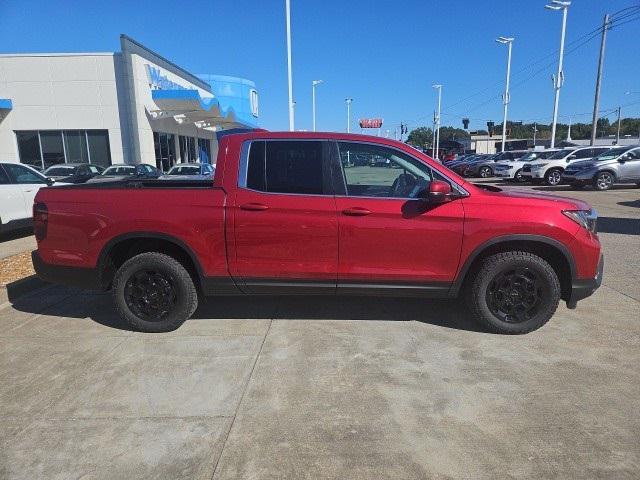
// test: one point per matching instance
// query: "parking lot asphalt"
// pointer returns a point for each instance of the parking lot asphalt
(316, 387)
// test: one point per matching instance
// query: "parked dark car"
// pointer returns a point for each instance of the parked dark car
(73, 172)
(190, 169)
(122, 171)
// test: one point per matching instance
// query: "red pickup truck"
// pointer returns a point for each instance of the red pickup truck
(309, 213)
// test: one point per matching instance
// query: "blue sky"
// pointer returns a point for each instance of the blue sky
(385, 55)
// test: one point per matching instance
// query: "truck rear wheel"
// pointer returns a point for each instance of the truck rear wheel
(154, 292)
(514, 292)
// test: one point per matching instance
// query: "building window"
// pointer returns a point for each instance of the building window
(204, 150)
(165, 149)
(43, 148)
(29, 148)
(76, 146)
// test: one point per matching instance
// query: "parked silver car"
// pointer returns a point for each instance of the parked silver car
(618, 165)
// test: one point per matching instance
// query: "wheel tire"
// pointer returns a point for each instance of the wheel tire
(485, 172)
(479, 294)
(517, 177)
(173, 281)
(603, 181)
(553, 177)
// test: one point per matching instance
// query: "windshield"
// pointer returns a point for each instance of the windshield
(59, 171)
(185, 170)
(120, 170)
(560, 154)
(610, 154)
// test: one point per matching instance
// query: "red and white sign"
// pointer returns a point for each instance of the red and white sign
(371, 122)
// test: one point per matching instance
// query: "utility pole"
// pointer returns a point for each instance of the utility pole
(506, 98)
(558, 79)
(289, 75)
(569, 131)
(619, 120)
(596, 102)
(535, 130)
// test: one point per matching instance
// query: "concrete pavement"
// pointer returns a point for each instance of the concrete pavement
(17, 242)
(307, 388)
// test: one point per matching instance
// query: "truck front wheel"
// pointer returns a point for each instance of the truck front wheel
(153, 292)
(514, 292)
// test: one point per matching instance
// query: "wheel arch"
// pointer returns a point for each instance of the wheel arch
(549, 249)
(121, 248)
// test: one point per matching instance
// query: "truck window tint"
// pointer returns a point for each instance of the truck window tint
(375, 171)
(255, 169)
(294, 167)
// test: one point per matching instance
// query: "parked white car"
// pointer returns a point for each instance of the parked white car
(512, 169)
(550, 170)
(18, 187)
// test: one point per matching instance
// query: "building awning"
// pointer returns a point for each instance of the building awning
(187, 106)
(5, 104)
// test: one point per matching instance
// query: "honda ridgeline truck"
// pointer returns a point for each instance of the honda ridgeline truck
(293, 213)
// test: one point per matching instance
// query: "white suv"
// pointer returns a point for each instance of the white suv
(512, 170)
(18, 187)
(550, 170)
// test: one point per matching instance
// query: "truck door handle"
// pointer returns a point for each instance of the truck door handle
(256, 207)
(356, 211)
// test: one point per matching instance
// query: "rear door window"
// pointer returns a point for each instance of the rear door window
(293, 167)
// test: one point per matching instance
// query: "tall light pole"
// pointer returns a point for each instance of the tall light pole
(348, 102)
(439, 88)
(314, 84)
(558, 79)
(508, 41)
(289, 75)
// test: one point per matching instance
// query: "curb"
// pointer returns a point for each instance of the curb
(14, 290)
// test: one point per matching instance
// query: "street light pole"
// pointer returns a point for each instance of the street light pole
(439, 88)
(558, 79)
(619, 120)
(289, 75)
(348, 101)
(314, 84)
(508, 41)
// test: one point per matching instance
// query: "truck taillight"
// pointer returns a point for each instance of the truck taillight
(40, 220)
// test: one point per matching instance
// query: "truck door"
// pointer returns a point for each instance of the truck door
(285, 221)
(390, 241)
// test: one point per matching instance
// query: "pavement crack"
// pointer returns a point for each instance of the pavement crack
(244, 391)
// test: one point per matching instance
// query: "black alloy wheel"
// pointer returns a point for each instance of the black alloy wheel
(516, 295)
(150, 295)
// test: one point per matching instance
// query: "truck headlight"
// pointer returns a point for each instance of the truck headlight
(585, 218)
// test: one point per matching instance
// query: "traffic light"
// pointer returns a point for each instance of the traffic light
(465, 123)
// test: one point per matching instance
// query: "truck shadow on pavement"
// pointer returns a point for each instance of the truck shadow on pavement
(624, 226)
(98, 307)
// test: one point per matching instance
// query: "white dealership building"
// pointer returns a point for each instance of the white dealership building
(132, 106)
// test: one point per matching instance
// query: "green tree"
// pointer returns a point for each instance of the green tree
(420, 137)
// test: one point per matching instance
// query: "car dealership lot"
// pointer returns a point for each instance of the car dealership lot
(317, 387)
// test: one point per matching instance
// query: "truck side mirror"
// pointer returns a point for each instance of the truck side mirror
(439, 192)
